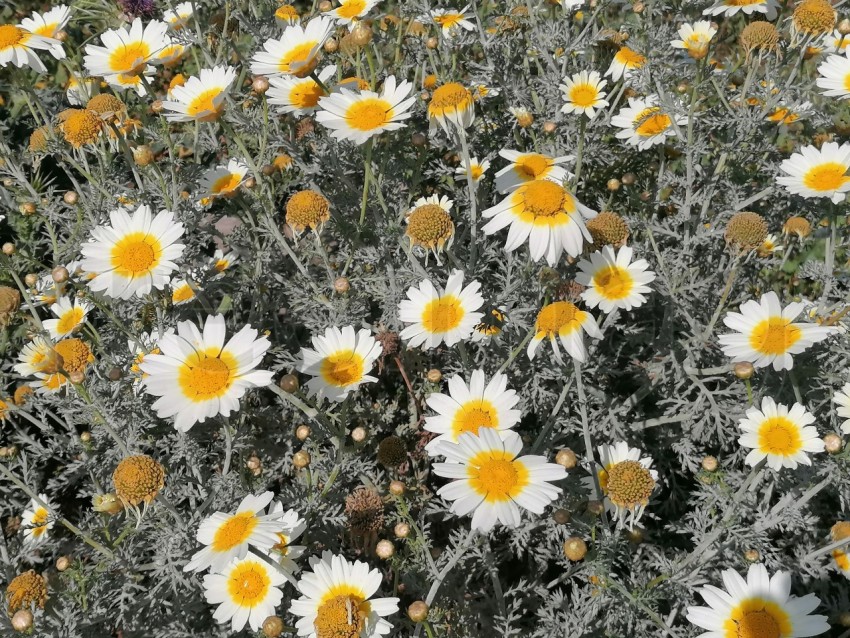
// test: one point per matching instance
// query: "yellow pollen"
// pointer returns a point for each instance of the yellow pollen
(825, 177)
(69, 320)
(779, 435)
(306, 94)
(342, 368)
(10, 36)
(774, 336)
(207, 375)
(443, 314)
(632, 59)
(307, 209)
(226, 183)
(475, 414)
(248, 584)
(297, 55)
(369, 114)
(203, 106)
(136, 255)
(342, 616)
(80, 126)
(39, 520)
(757, 618)
(75, 356)
(351, 8)
(234, 532)
(130, 58)
(613, 282)
(583, 95)
(477, 171)
(496, 476)
(286, 12)
(532, 166)
(651, 122)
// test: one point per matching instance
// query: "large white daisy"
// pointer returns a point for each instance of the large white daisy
(562, 319)
(70, 315)
(133, 255)
(197, 375)
(583, 93)
(728, 8)
(202, 98)
(48, 25)
(126, 54)
(246, 592)
(18, 46)
(296, 52)
(834, 76)
(818, 172)
(779, 434)
(339, 362)
(437, 317)
(613, 280)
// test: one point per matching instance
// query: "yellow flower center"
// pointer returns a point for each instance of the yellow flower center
(221, 265)
(234, 532)
(583, 95)
(651, 122)
(475, 414)
(631, 59)
(561, 317)
(757, 618)
(774, 336)
(369, 113)
(203, 106)
(10, 36)
(741, 3)
(281, 546)
(443, 314)
(430, 226)
(69, 320)
(450, 98)
(497, 477)
(81, 126)
(351, 8)
(342, 368)
(297, 55)
(532, 166)
(226, 183)
(542, 198)
(629, 484)
(613, 282)
(39, 521)
(448, 20)
(306, 94)
(207, 375)
(779, 435)
(136, 255)
(182, 293)
(286, 12)
(828, 176)
(75, 355)
(477, 171)
(248, 584)
(342, 616)
(130, 58)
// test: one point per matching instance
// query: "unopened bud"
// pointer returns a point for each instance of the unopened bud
(289, 383)
(260, 84)
(832, 443)
(575, 548)
(744, 370)
(434, 375)
(396, 488)
(709, 464)
(302, 432)
(418, 611)
(385, 549)
(401, 530)
(71, 197)
(358, 434)
(63, 563)
(301, 459)
(341, 285)
(566, 458)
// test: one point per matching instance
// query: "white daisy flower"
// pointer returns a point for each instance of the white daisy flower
(817, 172)
(229, 536)
(350, 12)
(764, 333)
(625, 61)
(759, 606)
(477, 168)
(728, 8)
(222, 261)
(784, 114)
(182, 291)
(493, 481)
(126, 54)
(179, 18)
(286, 14)
(468, 408)
(296, 52)
(769, 246)
(292, 526)
(143, 345)
(246, 592)
(80, 90)
(70, 316)
(779, 434)
(198, 375)
(202, 98)
(834, 76)
(695, 38)
(357, 116)
(544, 213)
(299, 96)
(451, 107)
(527, 167)
(429, 224)
(337, 598)
(613, 281)
(583, 93)
(37, 522)
(627, 481)
(339, 362)
(36, 356)
(451, 21)
(563, 319)
(842, 398)
(48, 25)
(133, 255)
(836, 41)
(644, 123)
(171, 53)
(18, 46)
(223, 181)
(437, 317)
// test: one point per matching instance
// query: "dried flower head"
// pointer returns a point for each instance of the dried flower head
(799, 226)
(608, 229)
(74, 356)
(80, 127)
(759, 36)
(105, 104)
(38, 140)
(10, 301)
(746, 230)
(26, 590)
(365, 510)
(814, 17)
(429, 224)
(307, 209)
(138, 478)
(392, 451)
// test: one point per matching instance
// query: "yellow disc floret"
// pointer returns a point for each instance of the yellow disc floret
(80, 126)
(138, 478)
(307, 209)
(630, 484)
(430, 226)
(26, 590)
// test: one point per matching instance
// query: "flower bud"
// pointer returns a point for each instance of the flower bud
(396, 488)
(260, 84)
(157, 106)
(432, 43)
(561, 516)
(301, 459)
(434, 375)
(28, 208)
(709, 464)
(752, 556)
(385, 549)
(595, 507)
(833, 443)
(361, 34)
(115, 373)
(566, 458)
(107, 504)
(418, 611)
(63, 563)
(71, 198)
(575, 548)
(359, 434)
(85, 437)
(31, 279)
(9, 249)
(401, 530)
(341, 285)
(143, 155)
(22, 620)
(744, 370)
(289, 383)
(549, 127)
(331, 45)
(613, 184)
(628, 179)
(325, 5)
(60, 274)
(302, 432)
(273, 627)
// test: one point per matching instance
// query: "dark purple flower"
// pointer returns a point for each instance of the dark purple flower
(138, 8)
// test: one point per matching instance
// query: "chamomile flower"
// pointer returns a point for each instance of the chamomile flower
(292, 526)
(817, 172)
(36, 356)
(545, 214)
(469, 408)
(452, 21)
(842, 398)
(202, 98)
(836, 41)
(299, 96)
(222, 261)
(246, 592)
(784, 114)
(527, 167)
(18, 46)
(562, 319)
(133, 255)
(337, 600)
(48, 25)
(625, 61)
(769, 246)
(779, 434)
(179, 18)
(339, 362)
(171, 53)
(491, 480)
(645, 124)
(429, 224)
(36, 521)
(182, 291)
(198, 375)
(296, 52)
(126, 54)
(695, 38)
(350, 12)
(613, 280)
(451, 106)
(478, 169)
(627, 481)
(71, 356)
(834, 76)
(70, 316)
(728, 8)
(436, 317)
(228, 536)
(143, 345)
(583, 93)
(765, 333)
(223, 181)
(80, 90)
(759, 606)
(357, 116)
